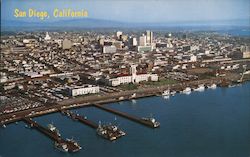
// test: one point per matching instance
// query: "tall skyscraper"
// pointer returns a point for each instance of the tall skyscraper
(134, 42)
(149, 37)
(142, 40)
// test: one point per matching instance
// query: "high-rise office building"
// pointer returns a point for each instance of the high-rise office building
(142, 40)
(149, 37)
(134, 41)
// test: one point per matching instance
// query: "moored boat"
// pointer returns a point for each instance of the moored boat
(200, 88)
(187, 90)
(61, 146)
(152, 122)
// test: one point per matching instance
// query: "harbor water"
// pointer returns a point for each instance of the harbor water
(212, 123)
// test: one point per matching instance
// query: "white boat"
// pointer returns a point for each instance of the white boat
(152, 122)
(4, 126)
(213, 86)
(187, 90)
(200, 88)
(52, 128)
(166, 93)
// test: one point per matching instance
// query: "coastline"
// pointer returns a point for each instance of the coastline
(114, 97)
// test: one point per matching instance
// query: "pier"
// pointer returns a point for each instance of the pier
(110, 132)
(79, 118)
(71, 146)
(125, 115)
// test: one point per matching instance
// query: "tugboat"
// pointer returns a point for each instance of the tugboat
(62, 147)
(152, 122)
(110, 132)
(52, 128)
(74, 143)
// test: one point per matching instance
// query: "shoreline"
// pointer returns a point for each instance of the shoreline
(106, 99)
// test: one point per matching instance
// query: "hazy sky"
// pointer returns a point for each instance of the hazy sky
(139, 10)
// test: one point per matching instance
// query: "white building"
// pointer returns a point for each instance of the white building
(118, 34)
(142, 40)
(83, 90)
(109, 49)
(3, 77)
(134, 42)
(245, 52)
(133, 78)
(47, 37)
(193, 58)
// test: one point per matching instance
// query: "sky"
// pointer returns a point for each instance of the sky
(138, 11)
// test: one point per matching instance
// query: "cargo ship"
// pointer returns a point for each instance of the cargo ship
(110, 132)
(68, 146)
(152, 122)
(52, 128)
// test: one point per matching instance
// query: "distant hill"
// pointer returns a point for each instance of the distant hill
(98, 23)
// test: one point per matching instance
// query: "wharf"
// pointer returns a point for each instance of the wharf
(79, 118)
(70, 145)
(110, 132)
(125, 115)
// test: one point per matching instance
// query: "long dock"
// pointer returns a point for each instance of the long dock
(110, 132)
(79, 118)
(71, 146)
(125, 115)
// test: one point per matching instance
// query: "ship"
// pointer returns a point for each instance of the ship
(152, 122)
(74, 143)
(52, 128)
(61, 146)
(110, 132)
(213, 86)
(200, 88)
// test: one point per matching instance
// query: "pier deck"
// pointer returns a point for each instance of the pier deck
(79, 118)
(124, 115)
(51, 135)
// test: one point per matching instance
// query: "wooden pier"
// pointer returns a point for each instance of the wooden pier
(79, 118)
(70, 145)
(125, 115)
